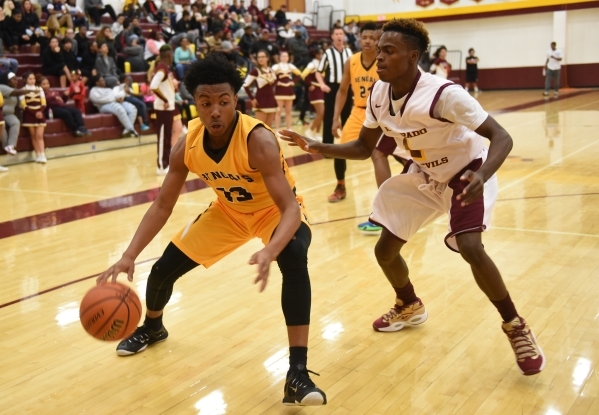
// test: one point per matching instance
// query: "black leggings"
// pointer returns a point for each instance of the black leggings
(71, 117)
(293, 262)
(327, 124)
(96, 14)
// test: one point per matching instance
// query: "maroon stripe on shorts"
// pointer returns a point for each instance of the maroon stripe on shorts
(471, 216)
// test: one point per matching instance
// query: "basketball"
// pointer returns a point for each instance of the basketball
(110, 311)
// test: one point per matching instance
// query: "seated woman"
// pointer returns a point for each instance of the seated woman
(53, 63)
(112, 101)
(55, 101)
(87, 66)
(106, 67)
(34, 105)
(16, 33)
(183, 57)
(137, 100)
(153, 45)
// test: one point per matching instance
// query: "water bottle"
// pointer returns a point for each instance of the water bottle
(50, 114)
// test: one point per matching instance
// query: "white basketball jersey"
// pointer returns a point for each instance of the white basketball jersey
(441, 148)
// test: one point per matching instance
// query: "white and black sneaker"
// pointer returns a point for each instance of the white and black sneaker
(141, 338)
(300, 390)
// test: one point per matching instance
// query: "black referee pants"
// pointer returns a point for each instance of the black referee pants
(327, 125)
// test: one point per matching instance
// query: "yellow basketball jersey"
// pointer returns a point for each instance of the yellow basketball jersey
(361, 79)
(236, 184)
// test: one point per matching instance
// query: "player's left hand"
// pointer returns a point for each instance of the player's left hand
(263, 259)
(474, 190)
(296, 140)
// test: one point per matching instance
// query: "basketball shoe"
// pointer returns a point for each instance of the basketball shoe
(339, 194)
(529, 356)
(139, 341)
(300, 390)
(401, 315)
(369, 228)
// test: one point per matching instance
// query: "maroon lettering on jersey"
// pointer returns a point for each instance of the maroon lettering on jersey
(424, 3)
(449, 2)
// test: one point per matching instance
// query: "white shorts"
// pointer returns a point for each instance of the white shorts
(407, 202)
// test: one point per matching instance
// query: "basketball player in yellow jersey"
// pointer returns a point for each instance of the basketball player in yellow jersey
(359, 73)
(240, 158)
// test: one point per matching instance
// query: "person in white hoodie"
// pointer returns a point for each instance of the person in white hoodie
(112, 101)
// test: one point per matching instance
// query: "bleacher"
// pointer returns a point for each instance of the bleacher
(101, 126)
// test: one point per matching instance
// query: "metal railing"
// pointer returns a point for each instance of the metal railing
(323, 18)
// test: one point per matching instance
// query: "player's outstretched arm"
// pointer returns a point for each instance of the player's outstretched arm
(155, 217)
(340, 99)
(501, 145)
(359, 149)
(263, 154)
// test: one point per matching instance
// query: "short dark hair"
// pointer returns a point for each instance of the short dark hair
(67, 40)
(368, 26)
(214, 69)
(16, 11)
(337, 28)
(165, 48)
(185, 13)
(412, 31)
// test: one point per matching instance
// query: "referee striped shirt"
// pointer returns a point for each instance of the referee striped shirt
(332, 64)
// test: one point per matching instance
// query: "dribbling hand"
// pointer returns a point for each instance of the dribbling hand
(125, 264)
(474, 190)
(296, 140)
(263, 259)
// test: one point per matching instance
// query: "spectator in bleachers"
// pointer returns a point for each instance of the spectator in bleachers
(77, 90)
(33, 105)
(31, 19)
(44, 6)
(69, 57)
(215, 41)
(87, 66)
(184, 99)
(299, 49)
(106, 67)
(234, 8)
(440, 66)
(8, 85)
(264, 43)
(269, 20)
(184, 56)
(281, 15)
(70, 34)
(117, 26)
(134, 54)
(137, 100)
(186, 7)
(168, 9)
(15, 33)
(153, 45)
(58, 15)
(77, 13)
(111, 101)
(298, 26)
(106, 37)
(96, 9)
(53, 63)
(166, 29)
(8, 8)
(136, 30)
(82, 40)
(246, 42)
(8, 64)
(188, 27)
(284, 33)
(153, 13)
(253, 9)
(55, 101)
(132, 9)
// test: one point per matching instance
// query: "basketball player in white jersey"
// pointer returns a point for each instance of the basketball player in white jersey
(451, 170)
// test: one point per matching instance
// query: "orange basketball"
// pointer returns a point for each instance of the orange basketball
(110, 311)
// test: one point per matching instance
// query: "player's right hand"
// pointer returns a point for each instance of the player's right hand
(125, 264)
(336, 128)
(296, 140)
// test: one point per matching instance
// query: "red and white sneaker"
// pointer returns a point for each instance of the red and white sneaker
(529, 356)
(401, 315)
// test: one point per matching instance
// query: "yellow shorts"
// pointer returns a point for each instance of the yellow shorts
(220, 230)
(353, 125)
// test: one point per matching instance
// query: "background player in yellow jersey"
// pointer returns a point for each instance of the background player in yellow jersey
(359, 73)
(240, 158)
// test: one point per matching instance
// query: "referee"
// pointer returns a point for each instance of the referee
(331, 65)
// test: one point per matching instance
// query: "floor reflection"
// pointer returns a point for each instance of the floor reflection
(212, 404)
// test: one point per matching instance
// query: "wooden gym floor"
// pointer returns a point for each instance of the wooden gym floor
(63, 223)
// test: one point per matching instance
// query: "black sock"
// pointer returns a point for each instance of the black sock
(154, 324)
(298, 354)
